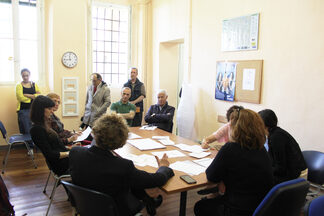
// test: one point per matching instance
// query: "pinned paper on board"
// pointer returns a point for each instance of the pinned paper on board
(248, 79)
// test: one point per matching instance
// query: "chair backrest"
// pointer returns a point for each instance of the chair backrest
(286, 198)
(315, 165)
(315, 207)
(3, 130)
(89, 202)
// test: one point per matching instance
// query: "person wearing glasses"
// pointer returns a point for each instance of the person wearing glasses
(97, 101)
(66, 136)
(244, 167)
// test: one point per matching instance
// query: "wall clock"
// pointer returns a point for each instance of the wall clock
(69, 59)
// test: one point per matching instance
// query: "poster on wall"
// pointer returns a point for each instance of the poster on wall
(225, 81)
(240, 33)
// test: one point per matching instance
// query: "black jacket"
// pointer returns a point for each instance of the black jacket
(287, 158)
(100, 170)
(136, 92)
(163, 118)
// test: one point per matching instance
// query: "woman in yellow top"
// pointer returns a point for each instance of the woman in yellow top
(26, 91)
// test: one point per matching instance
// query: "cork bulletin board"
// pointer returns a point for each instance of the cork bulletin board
(248, 81)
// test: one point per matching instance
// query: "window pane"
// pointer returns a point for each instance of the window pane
(112, 41)
(5, 20)
(29, 57)
(27, 22)
(6, 61)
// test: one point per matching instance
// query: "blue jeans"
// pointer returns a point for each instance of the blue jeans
(24, 123)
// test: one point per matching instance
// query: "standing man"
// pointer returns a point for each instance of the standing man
(161, 114)
(98, 100)
(123, 107)
(137, 96)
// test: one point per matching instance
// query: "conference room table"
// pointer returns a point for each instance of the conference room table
(175, 184)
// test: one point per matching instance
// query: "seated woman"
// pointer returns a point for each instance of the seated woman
(99, 168)
(66, 136)
(244, 167)
(287, 158)
(223, 133)
(45, 138)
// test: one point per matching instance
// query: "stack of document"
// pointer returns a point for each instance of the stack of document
(165, 140)
(145, 144)
(84, 135)
(199, 154)
(188, 167)
(205, 162)
(133, 136)
(190, 148)
(139, 160)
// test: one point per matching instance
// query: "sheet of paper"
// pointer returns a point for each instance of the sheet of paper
(166, 142)
(84, 135)
(161, 137)
(170, 154)
(147, 127)
(138, 160)
(190, 148)
(199, 154)
(145, 144)
(205, 162)
(133, 136)
(188, 167)
(248, 79)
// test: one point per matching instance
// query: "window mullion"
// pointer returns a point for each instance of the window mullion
(16, 45)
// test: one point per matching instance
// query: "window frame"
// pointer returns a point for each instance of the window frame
(16, 44)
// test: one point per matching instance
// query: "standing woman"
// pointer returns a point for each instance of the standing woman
(26, 92)
(45, 138)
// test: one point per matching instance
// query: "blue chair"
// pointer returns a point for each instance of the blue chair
(17, 138)
(315, 207)
(286, 198)
(89, 202)
(315, 165)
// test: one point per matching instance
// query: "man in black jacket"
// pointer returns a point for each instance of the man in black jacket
(137, 96)
(287, 158)
(99, 168)
(161, 114)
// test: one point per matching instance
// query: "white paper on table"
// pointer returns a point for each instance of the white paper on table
(133, 136)
(248, 79)
(170, 154)
(199, 154)
(147, 127)
(190, 148)
(139, 160)
(205, 162)
(167, 142)
(161, 137)
(84, 135)
(145, 144)
(188, 167)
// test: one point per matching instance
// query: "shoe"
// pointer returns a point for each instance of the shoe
(152, 203)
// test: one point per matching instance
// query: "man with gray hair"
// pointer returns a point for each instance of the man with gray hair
(123, 107)
(161, 114)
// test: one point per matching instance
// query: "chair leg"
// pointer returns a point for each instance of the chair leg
(44, 191)
(5, 160)
(31, 154)
(52, 195)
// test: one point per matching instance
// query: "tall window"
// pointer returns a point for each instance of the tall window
(110, 42)
(19, 39)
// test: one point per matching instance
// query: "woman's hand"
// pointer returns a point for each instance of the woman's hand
(204, 144)
(74, 137)
(163, 161)
(31, 96)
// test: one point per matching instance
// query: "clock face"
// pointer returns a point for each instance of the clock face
(69, 59)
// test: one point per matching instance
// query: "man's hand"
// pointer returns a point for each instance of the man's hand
(163, 161)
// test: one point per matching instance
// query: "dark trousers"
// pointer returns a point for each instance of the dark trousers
(24, 123)
(137, 121)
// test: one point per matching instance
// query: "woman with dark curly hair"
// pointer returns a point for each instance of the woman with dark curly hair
(45, 138)
(244, 167)
(100, 169)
